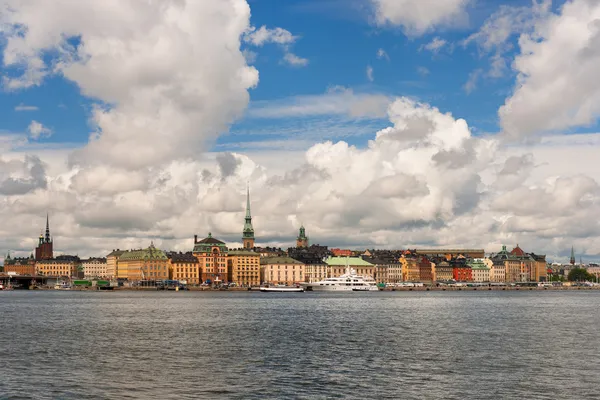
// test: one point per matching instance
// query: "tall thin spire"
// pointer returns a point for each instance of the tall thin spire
(248, 232)
(47, 238)
(572, 260)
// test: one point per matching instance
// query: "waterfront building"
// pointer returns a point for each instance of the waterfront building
(410, 268)
(244, 267)
(94, 268)
(386, 270)
(479, 270)
(538, 270)
(443, 271)
(302, 239)
(338, 266)
(426, 273)
(281, 271)
(67, 267)
(19, 265)
(184, 267)
(212, 257)
(44, 249)
(316, 272)
(112, 265)
(521, 266)
(248, 231)
(145, 264)
(498, 272)
(461, 271)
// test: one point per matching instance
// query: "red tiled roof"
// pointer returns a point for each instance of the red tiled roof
(517, 251)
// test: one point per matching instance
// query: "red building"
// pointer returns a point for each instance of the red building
(44, 250)
(462, 273)
(425, 270)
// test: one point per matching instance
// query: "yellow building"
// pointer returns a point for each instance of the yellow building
(244, 268)
(184, 267)
(443, 271)
(410, 269)
(145, 264)
(112, 264)
(56, 267)
(316, 272)
(281, 271)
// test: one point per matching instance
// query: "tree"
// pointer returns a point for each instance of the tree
(579, 275)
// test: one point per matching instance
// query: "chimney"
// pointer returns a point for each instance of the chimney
(195, 239)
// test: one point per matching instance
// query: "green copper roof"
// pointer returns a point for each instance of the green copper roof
(351, 261)
(151, 253)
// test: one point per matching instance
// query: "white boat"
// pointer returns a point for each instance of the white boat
(348, 282)
(281, 288)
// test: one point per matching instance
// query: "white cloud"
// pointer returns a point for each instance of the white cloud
(417, 17)
(471, 83)
(494, 37)
(369, 72)
(259, 37)
(336, 101)
(423, 71)
(36, 130)
(381, 53)
(133, 72)
(435, 45)
(23, 107)
(294, 60)
(557, 67)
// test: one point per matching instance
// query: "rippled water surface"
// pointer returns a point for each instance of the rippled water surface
(167, 345)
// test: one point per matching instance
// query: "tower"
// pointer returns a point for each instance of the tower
(302, 239)
(44, 250)
(248, 232)
(572, 260)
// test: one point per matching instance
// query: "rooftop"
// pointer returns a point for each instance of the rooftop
(278, 260)
(350, 261)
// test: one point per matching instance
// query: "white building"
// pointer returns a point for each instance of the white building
(94, 268)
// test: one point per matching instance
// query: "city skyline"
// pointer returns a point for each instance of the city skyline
(370, 125)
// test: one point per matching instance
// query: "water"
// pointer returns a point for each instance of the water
(409, 345)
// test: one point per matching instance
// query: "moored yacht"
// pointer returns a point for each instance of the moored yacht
(348, 282)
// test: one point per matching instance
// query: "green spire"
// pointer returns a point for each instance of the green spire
(248, 232)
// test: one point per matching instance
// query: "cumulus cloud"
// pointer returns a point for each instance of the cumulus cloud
(36, 130)
(21, 177)
(556, 85)
(417, 17)
(259, 37)
(143, 101)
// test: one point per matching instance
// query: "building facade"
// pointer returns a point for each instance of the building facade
(443, 271)
(212, 257)
(410, 268)
(185, 268)
(244, 268)
(57, 267)
(19, 265)
(94, 268)
(150, 264)
(281, 271)
(316, 272)
(112, 264)
(479, 270)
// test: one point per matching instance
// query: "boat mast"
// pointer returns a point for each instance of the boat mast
(347, 266)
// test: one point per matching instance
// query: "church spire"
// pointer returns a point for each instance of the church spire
(248, 232)
(47, 238)
(572, 260)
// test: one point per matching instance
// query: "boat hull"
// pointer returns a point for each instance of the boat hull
(281, 289)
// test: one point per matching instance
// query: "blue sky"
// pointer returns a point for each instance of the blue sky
(340, 41)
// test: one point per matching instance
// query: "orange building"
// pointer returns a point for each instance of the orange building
(19, 266)
(244, 268)
(212, 257)
(144, 264)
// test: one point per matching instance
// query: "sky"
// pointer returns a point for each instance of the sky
(374, 123)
